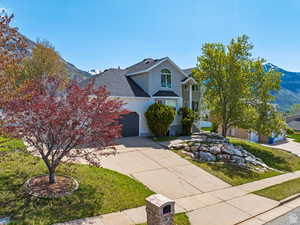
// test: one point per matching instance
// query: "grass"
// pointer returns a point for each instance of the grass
(206, 128)
(179, 219)
(101, 190)
(275, 158)
(234, 175)
(295, 137)
(281, 191)
(230, 173)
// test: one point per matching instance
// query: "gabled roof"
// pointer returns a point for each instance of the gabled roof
(165, 94)
(117, 83)
(144, 65)
(148, 64)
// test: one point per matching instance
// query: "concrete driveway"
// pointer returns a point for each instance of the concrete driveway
(161, 170)
(290, 145)
(205, 198)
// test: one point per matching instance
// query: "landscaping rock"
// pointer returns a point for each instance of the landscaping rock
(211, 147)
(204, 156)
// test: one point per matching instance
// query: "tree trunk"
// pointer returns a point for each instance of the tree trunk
(52, 176)
(224, 130)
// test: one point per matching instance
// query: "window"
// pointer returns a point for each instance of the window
(195, 106)
(171, 102)
(195, 87)
(166, 78)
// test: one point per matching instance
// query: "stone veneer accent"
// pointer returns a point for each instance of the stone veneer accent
(160, 210)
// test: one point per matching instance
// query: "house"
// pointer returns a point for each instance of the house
(147, 82)
(253, 136)
(294, 121)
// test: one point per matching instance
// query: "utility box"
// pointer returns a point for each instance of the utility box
(160, 210)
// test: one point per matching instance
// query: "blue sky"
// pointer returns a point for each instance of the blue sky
(110, 33)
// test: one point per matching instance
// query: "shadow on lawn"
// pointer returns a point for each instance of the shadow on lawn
(26, 209)
(233, 171)
(269, 158)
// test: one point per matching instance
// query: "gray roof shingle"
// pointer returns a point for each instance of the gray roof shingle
(143, 65)
(117, 83)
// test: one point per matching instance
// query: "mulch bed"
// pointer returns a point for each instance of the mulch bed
(39, 186)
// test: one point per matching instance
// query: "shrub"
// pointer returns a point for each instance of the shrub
(214, 127)
(188, 118)
(159, 117)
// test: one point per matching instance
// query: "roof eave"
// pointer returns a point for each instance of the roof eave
(189, 79)
(157, 64)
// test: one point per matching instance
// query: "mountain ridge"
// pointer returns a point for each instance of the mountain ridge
(73, 72)
(289, 93)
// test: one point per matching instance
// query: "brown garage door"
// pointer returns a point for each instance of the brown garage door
(130, 124)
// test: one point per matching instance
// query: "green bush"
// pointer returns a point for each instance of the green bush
(290, 130)
(188, 118)
(214, 127)
(159, 117)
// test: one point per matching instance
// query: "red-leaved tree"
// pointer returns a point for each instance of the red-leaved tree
(13, 49)
(69, 123)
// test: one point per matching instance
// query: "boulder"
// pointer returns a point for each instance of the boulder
(194, 148)
(223, 157)
(205, 156)
(238, 160)
(215, 149)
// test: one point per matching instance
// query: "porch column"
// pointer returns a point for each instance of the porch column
(190, 96)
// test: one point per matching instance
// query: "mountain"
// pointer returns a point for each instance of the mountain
(289, 93)
(73, 72)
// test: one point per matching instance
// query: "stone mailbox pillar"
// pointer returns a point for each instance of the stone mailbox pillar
(160, 210)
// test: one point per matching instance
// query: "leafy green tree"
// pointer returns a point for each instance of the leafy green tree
(159, 118)
(224, 71)
(238, 89)
(267, 119)
(44, 62)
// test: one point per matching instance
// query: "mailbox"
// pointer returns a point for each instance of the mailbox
(160, 210)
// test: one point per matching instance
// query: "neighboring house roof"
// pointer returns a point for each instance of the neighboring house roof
(189, 71)
(117, 83)
(294, 121)
(165, 94)
(295, 124)
(293, 117)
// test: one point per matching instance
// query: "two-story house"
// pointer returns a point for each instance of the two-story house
(147, 82)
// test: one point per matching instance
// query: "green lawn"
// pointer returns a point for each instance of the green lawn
(295, 137)
(281, 191)
(229, 173)
(234, 175)
(206, 128)
(101, 190)
(179, 219)
(275, 158)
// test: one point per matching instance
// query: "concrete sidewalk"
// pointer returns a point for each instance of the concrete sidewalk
(290, 146)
